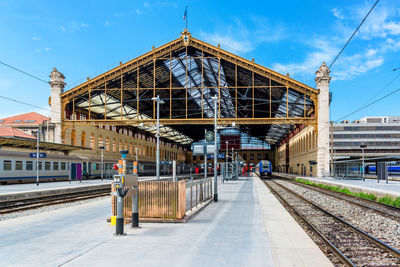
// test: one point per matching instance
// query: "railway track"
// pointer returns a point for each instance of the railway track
(38, 202)
(352, 245)
(383, 209)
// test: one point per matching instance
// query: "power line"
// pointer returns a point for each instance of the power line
(24, 72)
(351, 37)
(370, 104)
(24, 103)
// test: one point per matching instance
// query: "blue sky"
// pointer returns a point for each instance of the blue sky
(87, 38)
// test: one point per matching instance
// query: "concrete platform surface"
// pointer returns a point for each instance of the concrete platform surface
(247, 227)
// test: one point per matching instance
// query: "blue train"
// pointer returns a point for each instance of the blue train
(264, 168)
(392, 170)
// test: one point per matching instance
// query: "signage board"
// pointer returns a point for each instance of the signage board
(210, 149)
(41, 155)
(198, 150)
(220, 156)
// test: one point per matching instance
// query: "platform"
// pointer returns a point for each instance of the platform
(380, 189)
(247, 227)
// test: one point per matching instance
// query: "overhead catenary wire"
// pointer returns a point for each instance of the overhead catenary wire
(24, 72)
(354, 33)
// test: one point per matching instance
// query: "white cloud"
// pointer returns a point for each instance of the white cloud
(37, 50)
(47, 49)
(244, 38)
(241, 46)
(378, 37)
(138, 11)
(106, 24)
(145, 4)
(84, 25)
(63, 29)
(36, 38)
(337, 13)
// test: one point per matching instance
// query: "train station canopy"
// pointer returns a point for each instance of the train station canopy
(186, 73)
(31, 144)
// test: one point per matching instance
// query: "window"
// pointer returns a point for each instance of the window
(258, 156)
(55, 166)
(40, 166)
(18, 165)
(47, 166)
(251, 156)
(7, 165)
(29, 165)
(63, 166)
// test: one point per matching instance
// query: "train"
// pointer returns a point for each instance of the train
(392, 170)
(17, 167)
(264, 168)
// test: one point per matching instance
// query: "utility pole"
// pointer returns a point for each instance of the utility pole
(159, 101)
(215, 99)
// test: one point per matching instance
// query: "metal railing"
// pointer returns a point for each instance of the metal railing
(197, 192)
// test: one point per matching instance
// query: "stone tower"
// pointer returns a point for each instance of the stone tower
(57, 85)
(322, 80)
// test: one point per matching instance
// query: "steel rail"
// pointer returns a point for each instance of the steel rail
(338, 253)
(377, 242)
(37, 202)
(354, 199)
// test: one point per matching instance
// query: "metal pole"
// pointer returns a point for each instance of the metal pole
(215, 99)
(174, 177)
(363, 174)
(332, 169)
(159, 101)
(158, 139)
(135, 209)
(226, 161)
(102, 163)
(205, 156)
(37, 157)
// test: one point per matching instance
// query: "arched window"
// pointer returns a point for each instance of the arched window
(73, 137)
(83, 139)
(100, 142)
(108, 144)
(130, 149)
(92, 141)
(114, 146)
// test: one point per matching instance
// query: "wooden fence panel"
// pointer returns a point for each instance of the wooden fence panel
(157, 199)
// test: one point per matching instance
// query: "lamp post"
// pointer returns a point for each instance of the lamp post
(102, 161)
(363, 163)
(159, 101)
(215, 99)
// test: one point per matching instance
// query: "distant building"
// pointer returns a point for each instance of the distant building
(28, 124)
(381, 135)
(10, 132)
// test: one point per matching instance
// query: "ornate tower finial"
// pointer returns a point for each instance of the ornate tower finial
(57, 79)
(322, 73)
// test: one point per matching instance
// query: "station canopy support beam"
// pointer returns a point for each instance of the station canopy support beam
(186, 73)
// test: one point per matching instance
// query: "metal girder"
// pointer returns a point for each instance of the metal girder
(221, 121)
